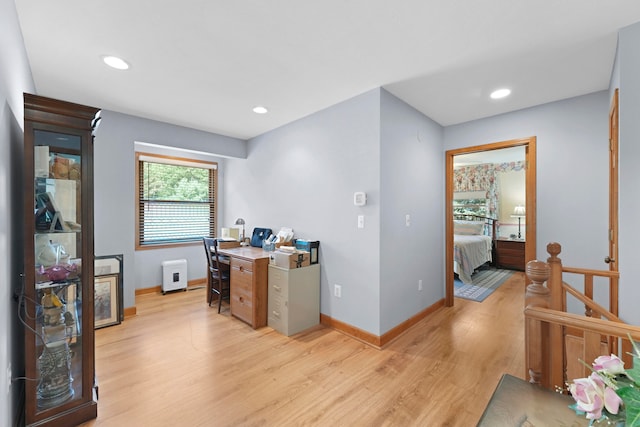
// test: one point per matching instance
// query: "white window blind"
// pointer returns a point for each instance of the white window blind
(176, 200)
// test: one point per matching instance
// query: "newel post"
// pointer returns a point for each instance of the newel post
(556, 335)
(536, 334)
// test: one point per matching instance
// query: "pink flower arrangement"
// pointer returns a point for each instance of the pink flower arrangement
(592, 395)
(610, 392)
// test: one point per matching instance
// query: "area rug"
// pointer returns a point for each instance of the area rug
(485, 281)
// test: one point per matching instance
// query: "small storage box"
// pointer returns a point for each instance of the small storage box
(289, 260)
(174, 275)
(310, 246)
(226, 244)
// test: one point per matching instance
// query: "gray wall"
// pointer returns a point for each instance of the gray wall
(15, 78)
(115, 193)
(628, 63)
(614, 82)
(303, 175)
(412, 183)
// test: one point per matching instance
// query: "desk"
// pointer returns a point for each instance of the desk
(249, 269)
(516, 402)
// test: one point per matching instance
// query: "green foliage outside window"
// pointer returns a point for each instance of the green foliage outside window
(175, 201)
(178, 183)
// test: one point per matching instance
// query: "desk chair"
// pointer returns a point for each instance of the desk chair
(220, 279)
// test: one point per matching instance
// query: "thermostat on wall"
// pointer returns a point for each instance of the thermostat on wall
(359, 198)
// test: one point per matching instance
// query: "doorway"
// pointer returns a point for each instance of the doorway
(529, 145)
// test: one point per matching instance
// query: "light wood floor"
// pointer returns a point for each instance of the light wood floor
(180, 363)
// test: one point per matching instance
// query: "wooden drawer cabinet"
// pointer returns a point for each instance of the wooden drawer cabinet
(241, 298)
(249, 290)
(510, 254)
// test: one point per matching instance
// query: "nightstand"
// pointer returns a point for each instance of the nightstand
(510, 254)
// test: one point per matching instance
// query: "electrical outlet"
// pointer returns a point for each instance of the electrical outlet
(337, 291)
(407, 220)
(360, 221)
(420, 284)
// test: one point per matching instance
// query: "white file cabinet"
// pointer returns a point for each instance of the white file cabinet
(294, 298)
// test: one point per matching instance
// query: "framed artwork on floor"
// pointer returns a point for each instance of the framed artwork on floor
(106, 301)
(108, 298)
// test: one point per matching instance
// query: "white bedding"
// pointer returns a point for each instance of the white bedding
(469, 253)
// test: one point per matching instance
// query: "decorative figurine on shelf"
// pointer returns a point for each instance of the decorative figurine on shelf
(53, 260)
(58, 273)
(46, 252)
(54, 364)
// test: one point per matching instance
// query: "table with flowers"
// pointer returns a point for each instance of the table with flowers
(516, 402)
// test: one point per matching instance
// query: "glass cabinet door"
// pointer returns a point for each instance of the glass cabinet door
(58, 289)
(58, 284)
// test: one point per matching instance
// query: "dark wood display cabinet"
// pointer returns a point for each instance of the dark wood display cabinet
(510, 254)
(57, 297)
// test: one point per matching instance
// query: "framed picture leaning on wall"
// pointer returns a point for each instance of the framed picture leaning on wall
(108, 299)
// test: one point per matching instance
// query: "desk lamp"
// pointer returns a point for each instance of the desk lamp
(519, 212)
(240, 221)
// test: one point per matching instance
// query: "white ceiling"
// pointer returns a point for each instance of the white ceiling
(205, 63)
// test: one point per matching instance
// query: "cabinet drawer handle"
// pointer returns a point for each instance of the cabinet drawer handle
(241, 299)
(275, 313)
(277, 288)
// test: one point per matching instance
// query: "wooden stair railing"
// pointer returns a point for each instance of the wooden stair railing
(592, 327)
(546, 319)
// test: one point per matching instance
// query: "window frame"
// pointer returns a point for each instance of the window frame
(180, 161)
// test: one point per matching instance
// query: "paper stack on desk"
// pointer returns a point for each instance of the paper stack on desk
(229, 234)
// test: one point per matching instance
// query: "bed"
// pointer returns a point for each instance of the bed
(472, 244)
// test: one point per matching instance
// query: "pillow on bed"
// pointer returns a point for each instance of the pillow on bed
(468, 227)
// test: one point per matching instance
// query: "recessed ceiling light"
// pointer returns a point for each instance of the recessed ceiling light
(260, 109)
(500, 93)
(115, 62)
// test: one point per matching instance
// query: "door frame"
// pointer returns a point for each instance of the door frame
(530, 193)
(613, 195)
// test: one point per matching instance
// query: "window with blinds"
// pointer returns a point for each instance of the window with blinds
(176, 200)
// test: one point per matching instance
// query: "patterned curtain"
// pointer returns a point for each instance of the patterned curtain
(483, 178)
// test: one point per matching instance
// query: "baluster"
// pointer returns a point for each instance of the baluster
(588, 292)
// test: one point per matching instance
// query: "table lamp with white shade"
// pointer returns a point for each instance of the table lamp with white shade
(519, 212)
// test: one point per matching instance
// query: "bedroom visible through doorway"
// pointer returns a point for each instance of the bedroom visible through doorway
(490, 209)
